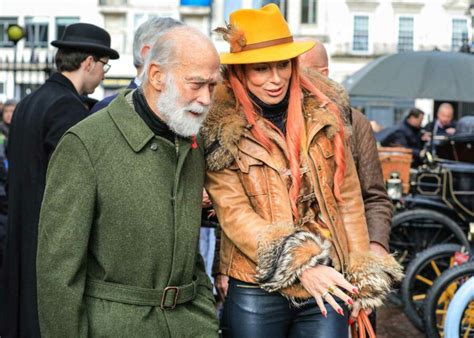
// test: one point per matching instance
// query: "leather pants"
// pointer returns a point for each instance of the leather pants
(250, 312)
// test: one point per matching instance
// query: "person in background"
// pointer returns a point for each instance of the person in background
(283, 184)
(316, 59)
(40, 120)
(7, 114)
(120, 219)
(376, 127)
(8, 109)
(408, 135)
(144, 38)
(444, 124)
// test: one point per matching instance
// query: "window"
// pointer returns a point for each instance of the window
(405, 34)
(360, 41)
(36, 30)
(4, 23)
(231, 6)
(62, 22)
(279, 3)
(309, 11)
(459, 33)
(116, 25)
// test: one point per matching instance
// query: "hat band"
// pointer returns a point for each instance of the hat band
(268, 43)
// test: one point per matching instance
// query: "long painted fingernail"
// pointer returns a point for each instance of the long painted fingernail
(355, 290)
(325, 314)
(350, 301)
(351, 321)
(340, 311)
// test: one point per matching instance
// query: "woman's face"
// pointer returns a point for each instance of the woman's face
(268, 81)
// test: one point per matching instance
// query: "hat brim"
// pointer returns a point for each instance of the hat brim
(87, 47)
(284, 51)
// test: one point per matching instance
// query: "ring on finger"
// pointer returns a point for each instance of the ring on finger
(325, 294)
(331, 288)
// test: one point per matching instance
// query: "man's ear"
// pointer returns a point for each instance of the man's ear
(88, 63)
(144, 52)
(156, 76)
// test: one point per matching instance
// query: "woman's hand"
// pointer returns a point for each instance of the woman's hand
(324, 282)
(222, 285)
(355, 312)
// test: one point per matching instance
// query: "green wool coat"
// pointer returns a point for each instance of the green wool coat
(122, 206)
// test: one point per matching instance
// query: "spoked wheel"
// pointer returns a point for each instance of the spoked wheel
(467, 321)
(420, 276)
(415, 230)
(439, 296)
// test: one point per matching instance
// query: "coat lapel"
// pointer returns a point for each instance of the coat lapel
(131, 125)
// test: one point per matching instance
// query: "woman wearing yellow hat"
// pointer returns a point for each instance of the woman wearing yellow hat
(282, 179)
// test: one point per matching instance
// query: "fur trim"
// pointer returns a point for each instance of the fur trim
(282, 261)
(339, 95)
(222, 130)
(225, 125)
(374, 276)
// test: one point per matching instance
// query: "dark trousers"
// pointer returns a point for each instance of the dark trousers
(251, 312)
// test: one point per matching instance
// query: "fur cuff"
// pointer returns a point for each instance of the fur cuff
(281, 261)
(374, 276)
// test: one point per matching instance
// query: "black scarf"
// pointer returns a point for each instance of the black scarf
(275, 113)
(157, 125)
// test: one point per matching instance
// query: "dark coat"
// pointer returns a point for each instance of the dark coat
(39, 121)
(106, 100)
(377, 204)
(119, 223)
(406, 136)
(436, 129)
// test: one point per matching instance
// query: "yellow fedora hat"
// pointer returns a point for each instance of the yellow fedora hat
(260, 35)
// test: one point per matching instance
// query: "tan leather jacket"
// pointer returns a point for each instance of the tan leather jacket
(261, 242)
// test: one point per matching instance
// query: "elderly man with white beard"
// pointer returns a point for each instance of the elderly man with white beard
(118, 235)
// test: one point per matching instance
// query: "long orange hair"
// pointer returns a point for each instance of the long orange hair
(296, 138)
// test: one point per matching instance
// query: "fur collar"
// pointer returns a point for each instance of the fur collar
(226, 125)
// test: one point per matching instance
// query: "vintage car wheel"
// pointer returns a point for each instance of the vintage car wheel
(415, 230)
(439, 296)
(420, 276)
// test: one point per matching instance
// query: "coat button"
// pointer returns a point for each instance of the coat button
(154, 146)
(319, 167)
(327, 153)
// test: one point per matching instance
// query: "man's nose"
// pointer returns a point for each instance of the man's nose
(205, 96)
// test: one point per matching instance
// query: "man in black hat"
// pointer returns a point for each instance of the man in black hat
(40, 120)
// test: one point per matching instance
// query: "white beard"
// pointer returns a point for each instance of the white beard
(177, 115)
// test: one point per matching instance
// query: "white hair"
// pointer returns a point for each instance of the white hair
(148, 33)
(163, 52)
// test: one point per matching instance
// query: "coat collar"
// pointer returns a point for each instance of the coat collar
(133, 128)
(63, 81)
(226, 125)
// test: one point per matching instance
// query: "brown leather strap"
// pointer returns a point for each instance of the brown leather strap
(268, 43)
(362, 326)
(367, 324)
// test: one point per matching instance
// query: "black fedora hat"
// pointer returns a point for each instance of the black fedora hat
(88, 38)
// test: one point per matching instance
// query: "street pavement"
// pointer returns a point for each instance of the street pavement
(393, 323)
